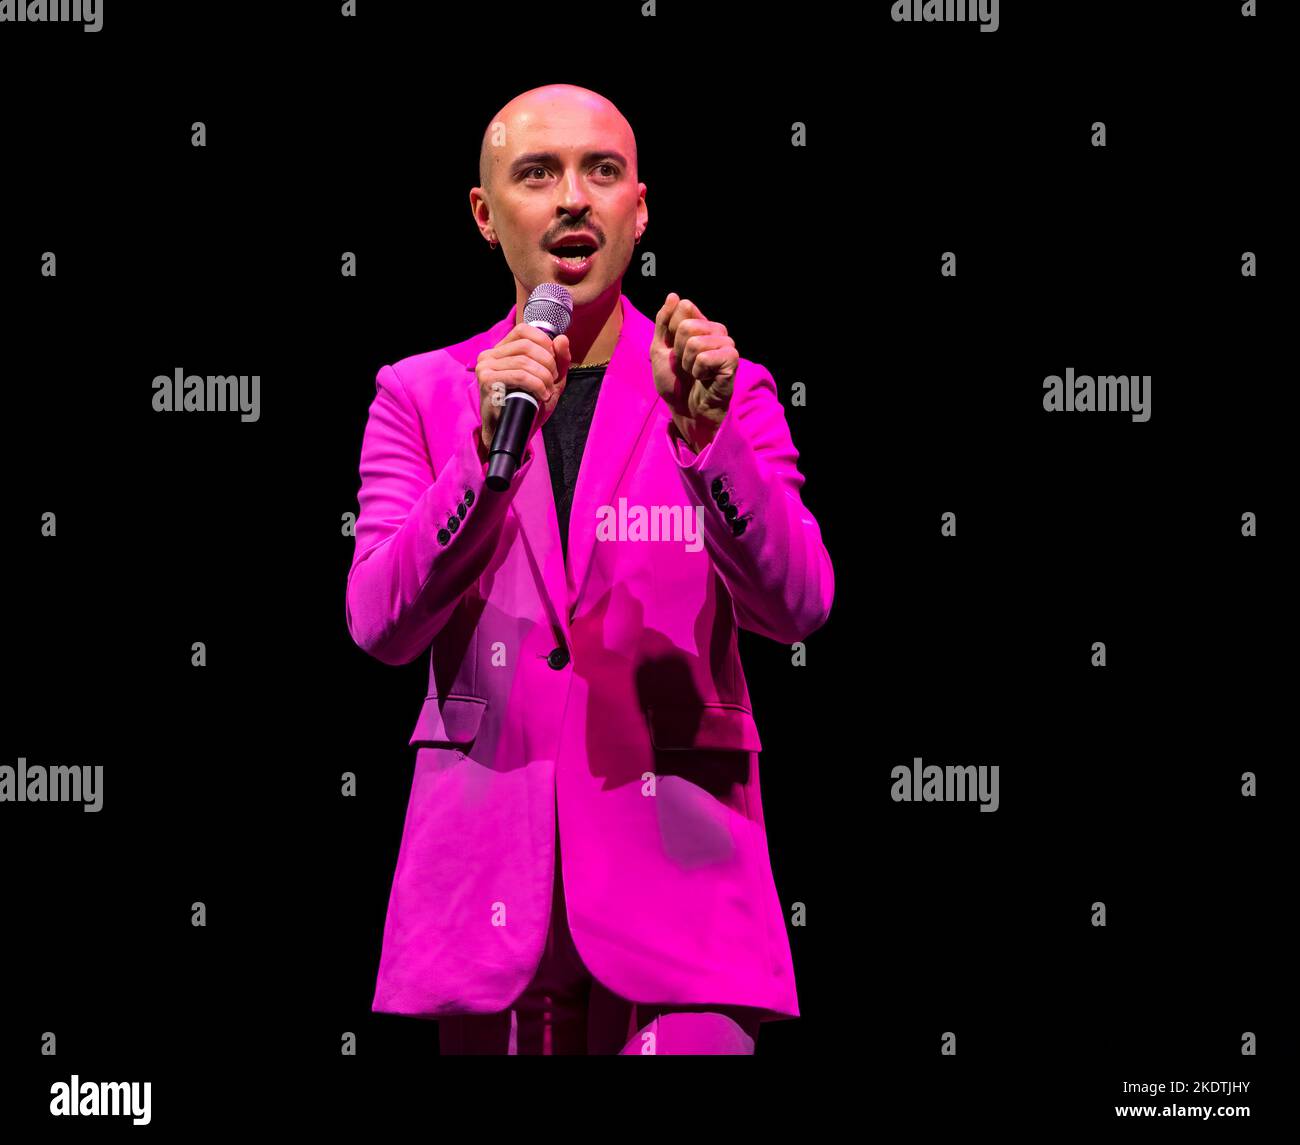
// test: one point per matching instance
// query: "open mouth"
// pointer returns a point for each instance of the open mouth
(575, 254)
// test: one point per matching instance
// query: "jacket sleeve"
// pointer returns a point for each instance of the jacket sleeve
(764, 543)
(422, 538)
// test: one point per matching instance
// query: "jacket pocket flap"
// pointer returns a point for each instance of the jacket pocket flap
(449, 719)
(720, 727)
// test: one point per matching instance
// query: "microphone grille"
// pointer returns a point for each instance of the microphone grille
(550, 305)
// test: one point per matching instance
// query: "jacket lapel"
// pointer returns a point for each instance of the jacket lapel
(627, 397)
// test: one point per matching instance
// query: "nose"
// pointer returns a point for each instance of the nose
(573, 198)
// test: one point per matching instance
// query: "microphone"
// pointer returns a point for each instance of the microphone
(549, 308)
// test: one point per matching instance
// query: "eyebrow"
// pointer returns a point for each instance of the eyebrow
(535, 157)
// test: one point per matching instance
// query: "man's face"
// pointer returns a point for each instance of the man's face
(565, 170)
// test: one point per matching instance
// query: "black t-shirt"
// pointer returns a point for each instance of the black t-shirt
(565, 433)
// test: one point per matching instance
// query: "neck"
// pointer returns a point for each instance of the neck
(593, 328)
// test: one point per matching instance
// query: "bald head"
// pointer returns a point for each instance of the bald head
(535, 109)
(558, 162)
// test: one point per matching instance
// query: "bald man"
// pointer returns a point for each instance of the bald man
(584, 679)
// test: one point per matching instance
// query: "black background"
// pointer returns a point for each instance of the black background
(924, 395)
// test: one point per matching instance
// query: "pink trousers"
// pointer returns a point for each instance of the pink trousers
(564, 1010)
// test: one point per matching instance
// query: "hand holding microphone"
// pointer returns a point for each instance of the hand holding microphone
(520, 381)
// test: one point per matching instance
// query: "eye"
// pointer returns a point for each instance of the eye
(610, 167)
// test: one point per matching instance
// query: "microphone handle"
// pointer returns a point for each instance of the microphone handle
(510, 438)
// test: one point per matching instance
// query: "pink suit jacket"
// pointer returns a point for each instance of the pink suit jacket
(609, 692)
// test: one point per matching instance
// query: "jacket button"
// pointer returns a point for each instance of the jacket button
(738, 527)
(443, 536)
(716, 486)
(469, 496)
(558, 657)
(461, 510)
(730, 512)
(453, 522)
(722, 499)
